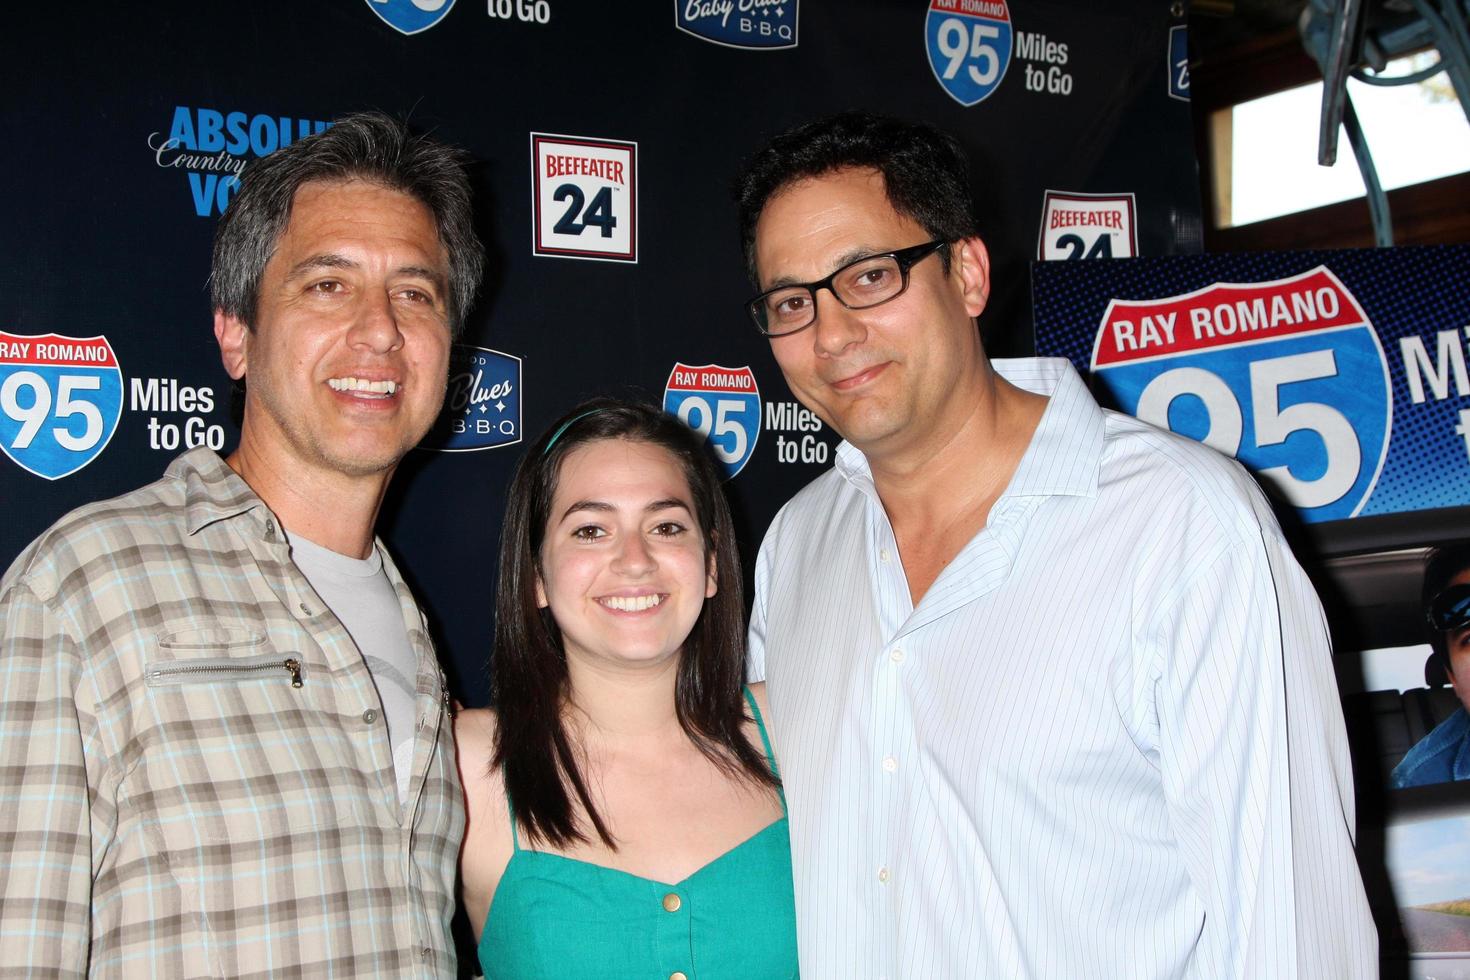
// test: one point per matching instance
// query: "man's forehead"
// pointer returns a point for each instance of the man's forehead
(837, 215)
(863, 185)
(355, 208)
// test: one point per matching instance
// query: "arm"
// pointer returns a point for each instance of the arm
(46, 847)
(487, 841)
(1256, 772)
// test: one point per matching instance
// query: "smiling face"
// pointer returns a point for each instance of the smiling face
(623, 565)
(886, 376)
(347, 360)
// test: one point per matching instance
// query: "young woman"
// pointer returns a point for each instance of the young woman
(625, 817)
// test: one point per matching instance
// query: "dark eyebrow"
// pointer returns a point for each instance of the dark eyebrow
(326, 260)
(332, 260)
(423, 272)
(668, 503)
(846, 258)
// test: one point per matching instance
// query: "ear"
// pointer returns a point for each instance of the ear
(969, 263)
(233, 338)
(541, 602)
(711, 576)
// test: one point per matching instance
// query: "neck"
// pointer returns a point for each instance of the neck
(621, 705)
(334, 510)
(967, 459)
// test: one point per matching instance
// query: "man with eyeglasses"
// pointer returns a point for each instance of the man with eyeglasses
(1444, 754)
(1050, 694)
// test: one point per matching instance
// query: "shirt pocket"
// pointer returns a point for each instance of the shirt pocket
(216, 655)
(227, 740)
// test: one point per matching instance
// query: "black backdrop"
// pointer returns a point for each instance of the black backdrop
(106, 226)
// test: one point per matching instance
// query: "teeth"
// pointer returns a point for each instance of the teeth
(631, 603)
(367, 387)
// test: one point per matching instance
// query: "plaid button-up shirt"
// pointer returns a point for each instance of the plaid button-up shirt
(195, 777)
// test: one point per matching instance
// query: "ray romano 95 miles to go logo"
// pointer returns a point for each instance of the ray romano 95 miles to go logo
(60, 399)
(722, 404)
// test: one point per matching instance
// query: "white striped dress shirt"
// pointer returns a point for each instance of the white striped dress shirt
(1106, 743)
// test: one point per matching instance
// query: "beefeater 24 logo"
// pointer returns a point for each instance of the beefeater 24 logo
(1287, 375)
(1087, 226)
(585, 197)
(60, 399)
(722, 404)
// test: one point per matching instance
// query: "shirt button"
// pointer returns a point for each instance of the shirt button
(678, 975)
(270, 529)
(883, 555)
(426, 952)
(672, 902)
(369, 716)
(305, 609)
(896, 655)
(883, 875)
(890, 764)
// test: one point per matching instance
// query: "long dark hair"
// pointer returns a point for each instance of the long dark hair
(533, 750)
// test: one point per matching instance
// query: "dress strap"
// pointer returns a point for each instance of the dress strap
(760, 725)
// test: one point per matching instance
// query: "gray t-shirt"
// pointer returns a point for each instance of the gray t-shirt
(357, 590)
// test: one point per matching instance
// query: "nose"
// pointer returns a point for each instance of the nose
(633, 556)
(835, 327)
(376, 325)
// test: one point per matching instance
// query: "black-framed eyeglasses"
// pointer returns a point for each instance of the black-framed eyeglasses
(1450, 610)
(861, 284)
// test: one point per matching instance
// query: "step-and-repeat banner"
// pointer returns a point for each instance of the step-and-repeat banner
(1340, 379)
(605, 136)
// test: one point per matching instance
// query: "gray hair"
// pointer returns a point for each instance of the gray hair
(369, 146)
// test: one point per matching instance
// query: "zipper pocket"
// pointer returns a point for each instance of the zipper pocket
(206, 669)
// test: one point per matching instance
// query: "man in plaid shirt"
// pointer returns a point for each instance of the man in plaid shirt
(224, 748)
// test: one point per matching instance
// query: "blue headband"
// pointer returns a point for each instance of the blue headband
(561, 429)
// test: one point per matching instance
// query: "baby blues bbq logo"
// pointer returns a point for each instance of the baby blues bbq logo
(411, 16)
(585, 203)
(482, 405)
(1288, 376)
(722, 404)
(60, 398)
(1087, 226)
(1179, 63)
(211, 148)
(969, 43)
(761, 24)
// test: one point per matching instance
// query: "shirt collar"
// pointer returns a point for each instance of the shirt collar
(1065, 452)
(212, 491)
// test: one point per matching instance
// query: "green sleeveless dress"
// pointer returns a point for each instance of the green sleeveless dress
(733, 919)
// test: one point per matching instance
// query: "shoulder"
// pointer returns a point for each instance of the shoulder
(98, 535)
(1429, 760)
(474, 739)
(758, 691)
(813, 511)
(1187, 484)
(484, 789)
